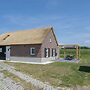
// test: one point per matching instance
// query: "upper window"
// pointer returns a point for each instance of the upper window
(6, 37)
(32, 51)
(50, 40)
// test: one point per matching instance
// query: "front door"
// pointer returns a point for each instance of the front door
(2, 52)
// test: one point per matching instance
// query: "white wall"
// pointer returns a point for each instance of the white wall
(25, 59)
(30, 59)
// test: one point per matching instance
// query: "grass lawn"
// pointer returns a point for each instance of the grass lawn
(60, 73)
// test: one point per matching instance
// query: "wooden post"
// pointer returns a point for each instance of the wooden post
(76, 52)
(79, 52)
(64, 52)
(59, 52)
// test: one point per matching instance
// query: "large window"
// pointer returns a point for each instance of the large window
(32, 51)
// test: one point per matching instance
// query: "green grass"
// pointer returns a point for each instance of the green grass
(84, 55)
(68, 52)
(60, 73)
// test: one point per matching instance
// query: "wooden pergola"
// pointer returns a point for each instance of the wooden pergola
(77, 47)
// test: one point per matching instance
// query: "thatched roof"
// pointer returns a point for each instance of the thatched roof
(34, 36)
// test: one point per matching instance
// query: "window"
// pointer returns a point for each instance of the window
(47, 52)
(50, 40)
(6, 37)
(32, 51)
(0, 49)
(53, 52)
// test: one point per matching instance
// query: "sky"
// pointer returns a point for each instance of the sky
(69, 18)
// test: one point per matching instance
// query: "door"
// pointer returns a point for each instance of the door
(7, 52)
(2, 52)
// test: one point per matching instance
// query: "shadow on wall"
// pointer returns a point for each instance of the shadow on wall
(84, 69)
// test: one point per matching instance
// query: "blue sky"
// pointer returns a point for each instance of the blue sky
(70, 18)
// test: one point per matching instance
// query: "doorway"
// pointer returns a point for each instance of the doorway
(2, 52)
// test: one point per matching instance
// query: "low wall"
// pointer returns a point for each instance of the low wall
(25, 59)
(48, 59)
(29, 59)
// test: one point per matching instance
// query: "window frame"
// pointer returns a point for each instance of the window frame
(53, 52)
(50, 40)
(0, 49)
(31, 51)
(47, 52)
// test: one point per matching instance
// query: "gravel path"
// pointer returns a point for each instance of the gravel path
(8, 84)
(29, 79)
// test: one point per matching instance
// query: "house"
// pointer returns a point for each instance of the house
(37, 45)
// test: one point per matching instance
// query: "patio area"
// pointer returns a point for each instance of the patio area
(64, 60)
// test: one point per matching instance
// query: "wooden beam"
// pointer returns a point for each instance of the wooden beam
(64, 52)
(77, 52)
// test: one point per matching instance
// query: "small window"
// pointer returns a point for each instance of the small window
(0, 49)
(6, 37)
(50, 40)
(32, 51)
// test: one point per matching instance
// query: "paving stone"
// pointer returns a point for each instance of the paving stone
(8, 84)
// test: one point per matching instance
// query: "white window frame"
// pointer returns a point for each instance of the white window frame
(53, 51)
(47, 54)
(0, 49)
(31, 51)
(50, 40)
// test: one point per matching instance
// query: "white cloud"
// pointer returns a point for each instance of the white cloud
(87, 41)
